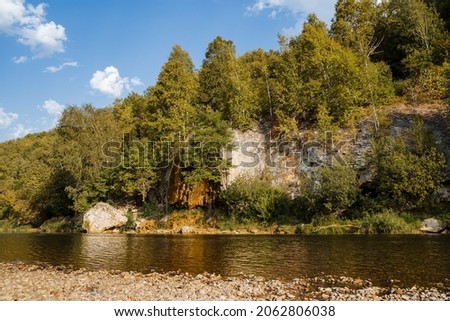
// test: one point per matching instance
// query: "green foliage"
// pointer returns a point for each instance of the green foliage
(210, 139)
(354, 25)
(406, 176)
(225, 84)
(331, 191)
(326, 225)
(31, 184)
(443, 8)
(430, 85)
(130, 225)
(412, 35)
(248, 200)
(58, 225)
(82, 134)
(386, 222)
(8, 226)
(151, 210)
(327, 74)
(322, 79)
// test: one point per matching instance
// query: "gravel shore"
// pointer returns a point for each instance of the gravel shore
(39, 283)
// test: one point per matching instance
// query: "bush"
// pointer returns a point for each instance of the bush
(11, 226)
(256, 200)
(332, 191)
(57, 225)
(385, 222)
(151, 210)
(406, 178)
(130, 225)
(430, 85)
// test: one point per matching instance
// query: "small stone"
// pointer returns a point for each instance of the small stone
(358, 282)
(186, 230)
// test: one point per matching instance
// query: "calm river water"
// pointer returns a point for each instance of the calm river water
(412, 259)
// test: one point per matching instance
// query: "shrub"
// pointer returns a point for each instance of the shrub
(130, 224)
(385, 222)
(151, 210)
(430, 85)
(254, 200)
(406, 178)
(57, 225)
(332, 191)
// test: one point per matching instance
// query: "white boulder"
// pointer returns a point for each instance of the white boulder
(103, 217)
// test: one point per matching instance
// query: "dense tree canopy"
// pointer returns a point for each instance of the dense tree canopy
(321, 79)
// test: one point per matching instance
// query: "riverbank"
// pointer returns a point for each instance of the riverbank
(40, 283)
(198, 221)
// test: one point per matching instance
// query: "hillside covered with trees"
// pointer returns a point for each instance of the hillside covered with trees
(325, 79)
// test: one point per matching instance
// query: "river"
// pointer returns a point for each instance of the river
(409, 259)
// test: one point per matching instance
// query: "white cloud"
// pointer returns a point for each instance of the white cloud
(54, 69)
(52, 107)
(29, 25)
(20, 130)
(20, 60)
(300, 9)
(6, 118)
(110, 82)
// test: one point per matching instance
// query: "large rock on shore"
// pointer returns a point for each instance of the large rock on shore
(103, 217)
(432, 225)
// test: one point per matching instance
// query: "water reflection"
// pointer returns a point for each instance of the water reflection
(411, 259)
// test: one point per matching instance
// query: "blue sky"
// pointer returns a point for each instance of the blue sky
(70, 52)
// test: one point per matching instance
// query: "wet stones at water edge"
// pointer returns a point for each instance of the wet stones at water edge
(103, 217)
(432, 225)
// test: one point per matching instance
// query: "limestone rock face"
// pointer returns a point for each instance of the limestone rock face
(432, 225)
(103, 217)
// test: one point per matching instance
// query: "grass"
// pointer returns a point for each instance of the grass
(230, 224)
(57, 225)
(388, 222)
(329, 226)
(7, 226)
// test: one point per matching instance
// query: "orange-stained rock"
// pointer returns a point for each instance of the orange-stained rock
(185, 195)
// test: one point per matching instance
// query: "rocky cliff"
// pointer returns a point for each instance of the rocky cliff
(256, 154)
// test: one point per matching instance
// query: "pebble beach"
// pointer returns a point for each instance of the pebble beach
(23, 282)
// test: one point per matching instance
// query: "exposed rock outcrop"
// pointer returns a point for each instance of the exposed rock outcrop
(256, 154)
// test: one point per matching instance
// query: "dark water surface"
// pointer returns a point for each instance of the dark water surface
(412, 259)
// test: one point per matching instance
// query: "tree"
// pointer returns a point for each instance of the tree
(443, 8)
(412, 36)
(354, 26)
(224, 84)
(32, 181)
(83, 134)
(406, 176)
(324, 76)
(188, 126)
(172, 98)
(132, 112)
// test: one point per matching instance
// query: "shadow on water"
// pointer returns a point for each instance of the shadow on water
(411, 259)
